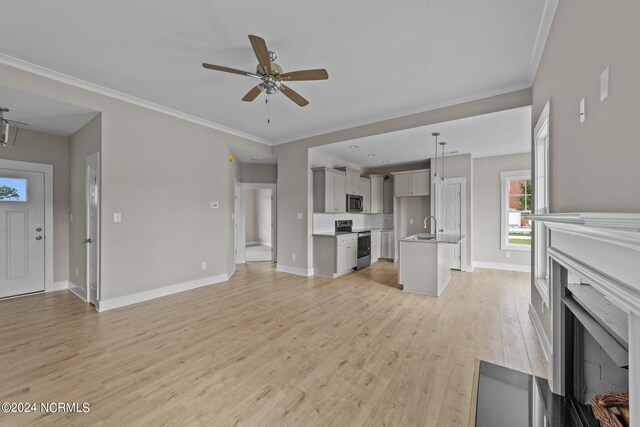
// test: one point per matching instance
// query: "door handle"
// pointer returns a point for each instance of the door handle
(39, 229)
(88, 240)
(38, 237)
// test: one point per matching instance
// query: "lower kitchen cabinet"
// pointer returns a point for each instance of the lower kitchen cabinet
(334, 256)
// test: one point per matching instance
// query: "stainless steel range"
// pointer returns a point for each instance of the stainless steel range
(364, 241)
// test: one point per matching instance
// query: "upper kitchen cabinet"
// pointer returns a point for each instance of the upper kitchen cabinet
(353, 180)
(387, 200)
(411, 183)
(329, 190)
(377, 193)
(365, 191)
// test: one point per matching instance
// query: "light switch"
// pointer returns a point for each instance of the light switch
(604, 85)
(410, 220)
(299, 215)
(583, 110)
(117, 217)
(70, 217)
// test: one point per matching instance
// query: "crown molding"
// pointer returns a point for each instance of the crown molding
(541, 39)
(111, 93)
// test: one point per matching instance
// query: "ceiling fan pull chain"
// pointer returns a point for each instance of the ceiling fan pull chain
(266, 101)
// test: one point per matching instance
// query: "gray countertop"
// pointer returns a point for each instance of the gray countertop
(433, 238)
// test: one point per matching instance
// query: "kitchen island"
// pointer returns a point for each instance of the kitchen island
(425, 262)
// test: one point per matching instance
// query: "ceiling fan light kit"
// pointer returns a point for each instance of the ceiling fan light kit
(5, 127)
(270, 74)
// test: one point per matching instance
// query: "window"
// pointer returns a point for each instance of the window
(516, 202)
(541, 204)
(13, 190)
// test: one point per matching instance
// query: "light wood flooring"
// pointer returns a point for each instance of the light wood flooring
(269, 349)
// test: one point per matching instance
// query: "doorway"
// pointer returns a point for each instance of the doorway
(255, 223)
(25, 214)
(93, 228)
(452, 211)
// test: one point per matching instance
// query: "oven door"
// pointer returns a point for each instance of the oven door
(364, 245)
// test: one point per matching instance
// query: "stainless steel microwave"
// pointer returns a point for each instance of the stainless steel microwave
(354, 203)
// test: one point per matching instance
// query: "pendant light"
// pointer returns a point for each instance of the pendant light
(435, 162)
(442, 144)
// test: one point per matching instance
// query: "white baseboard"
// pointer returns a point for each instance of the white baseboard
(79, 291)
(467, 268)
(544, 341)
(110, 304)
(252, 243)
(61, 285)
(306, 272)
(502, 266)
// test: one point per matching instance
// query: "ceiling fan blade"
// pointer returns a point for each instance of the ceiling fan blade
(17, 122)
(262, 53)
(229, 70)
(319, 74)
(293, 95)
(252, 94)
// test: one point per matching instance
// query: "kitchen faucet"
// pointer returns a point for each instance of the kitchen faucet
(435, 222)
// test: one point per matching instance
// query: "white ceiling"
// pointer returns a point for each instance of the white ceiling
(44, 114)
(384, 59)
(505, 132)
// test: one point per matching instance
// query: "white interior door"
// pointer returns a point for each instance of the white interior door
(93, 221)
(451, 205)
(238, 223)
(22, 233)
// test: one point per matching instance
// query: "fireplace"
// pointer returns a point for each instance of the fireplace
(594, 300)
(596, 348)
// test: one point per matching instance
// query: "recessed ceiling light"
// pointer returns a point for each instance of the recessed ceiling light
(372, 155)
(254, 159)
(354, 146)
(385, 161)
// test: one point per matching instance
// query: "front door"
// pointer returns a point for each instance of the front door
(22, 232)
(453, 220)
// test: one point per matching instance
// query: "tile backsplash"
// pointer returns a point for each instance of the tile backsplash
(325, 222)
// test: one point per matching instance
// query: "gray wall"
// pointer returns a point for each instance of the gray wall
(83, 143)
(594, 164)
(416, 209)
(258, 173)
(53, 150)
(487, 208)
(162, 173)
(263, 216)
(250, 216)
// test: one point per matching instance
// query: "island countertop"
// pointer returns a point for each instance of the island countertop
(434, 238)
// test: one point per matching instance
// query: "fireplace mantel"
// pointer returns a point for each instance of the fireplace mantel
(604, 249)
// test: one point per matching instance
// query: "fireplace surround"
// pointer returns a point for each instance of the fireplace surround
(594, 286)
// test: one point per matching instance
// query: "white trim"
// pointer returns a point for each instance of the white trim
(504, 203)
(91, 87)
(78, 291)
(306, 272)
(541, 38)
(542, 336)
(110, 304)
(502, 266)
(61, 285)
(48, 212)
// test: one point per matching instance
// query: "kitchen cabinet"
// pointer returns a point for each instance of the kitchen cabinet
(387, 244)
(387, 204)
(329, 190)
(334, 256)
(353, 180)
(365, 191)
(377, 193)
(412, 183)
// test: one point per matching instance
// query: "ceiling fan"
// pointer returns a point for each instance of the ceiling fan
(4, 128)
(270, 74)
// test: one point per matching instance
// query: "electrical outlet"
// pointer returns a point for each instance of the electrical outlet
(507, 254)
(70, 217)
(583, 110)
(410, 220)
(299, 215)
(293, 256)
(203, 265)
(117, 217)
